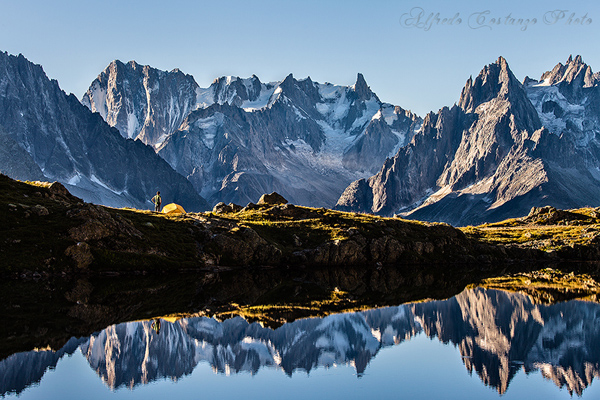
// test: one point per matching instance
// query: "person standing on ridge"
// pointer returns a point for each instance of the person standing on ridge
(156, 200)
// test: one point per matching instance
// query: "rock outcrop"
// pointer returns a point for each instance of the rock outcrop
(272, 199)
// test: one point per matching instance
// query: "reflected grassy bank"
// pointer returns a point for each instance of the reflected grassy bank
(47, 313)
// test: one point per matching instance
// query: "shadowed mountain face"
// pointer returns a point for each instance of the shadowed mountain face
(504, 148)
(49, 135)
(498, 334)
(241, 138)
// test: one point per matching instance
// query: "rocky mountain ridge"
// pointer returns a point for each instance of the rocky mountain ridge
(240, 138)
(504, 148)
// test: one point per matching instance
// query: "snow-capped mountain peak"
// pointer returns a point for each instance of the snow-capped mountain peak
(140, 101)
(70, 144)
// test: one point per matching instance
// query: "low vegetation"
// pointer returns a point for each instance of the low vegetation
(547, 229)
(47, 231)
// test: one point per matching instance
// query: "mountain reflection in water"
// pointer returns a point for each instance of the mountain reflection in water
(498, 334)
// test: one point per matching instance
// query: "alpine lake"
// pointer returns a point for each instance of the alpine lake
(266, 333)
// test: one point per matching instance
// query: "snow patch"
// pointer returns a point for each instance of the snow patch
(205, 97)
(372, 107)
(377, 116)
(595, 172)
(132, 125)
(267, 354)
(322, 108)
(75, 179)
(572, 114)
(323, 342)
(544, 83)
(97, 181)
(389, 113)
(273, 98)
(98, 100)
(209, 127)
(401, 143)
(261, 102)
(299, 114)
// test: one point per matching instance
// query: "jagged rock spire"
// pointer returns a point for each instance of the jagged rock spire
(493, 80)
(361, 88)
(574, 71)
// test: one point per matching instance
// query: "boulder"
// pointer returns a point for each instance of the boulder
(221, 208)
(81, 254)
(235, 207)
(250, 206)
(551, 216)
(273, 199)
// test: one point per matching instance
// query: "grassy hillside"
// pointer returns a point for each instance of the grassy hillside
(46, 231)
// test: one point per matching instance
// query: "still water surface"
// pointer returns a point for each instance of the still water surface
(481, 344)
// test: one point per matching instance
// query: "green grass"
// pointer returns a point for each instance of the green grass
(546, 232)
(327, 225)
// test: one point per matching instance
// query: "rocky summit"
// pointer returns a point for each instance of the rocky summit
(142, 102)
(506, 146)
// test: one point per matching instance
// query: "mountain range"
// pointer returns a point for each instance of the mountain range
(240, 138)
(497, 333)
(505, 147)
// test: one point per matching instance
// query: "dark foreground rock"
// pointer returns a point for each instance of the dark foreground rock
(48, 231)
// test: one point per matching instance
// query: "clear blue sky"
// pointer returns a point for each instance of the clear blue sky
(329, 41)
